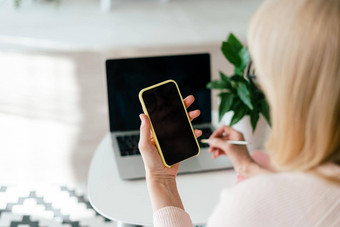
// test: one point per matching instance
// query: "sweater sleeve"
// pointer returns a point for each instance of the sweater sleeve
(171, 216)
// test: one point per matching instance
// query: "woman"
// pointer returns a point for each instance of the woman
(295, 46)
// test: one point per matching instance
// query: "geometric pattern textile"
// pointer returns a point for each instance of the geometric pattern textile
(48, 206)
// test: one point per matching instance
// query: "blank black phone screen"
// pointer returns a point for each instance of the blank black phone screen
(170, 123)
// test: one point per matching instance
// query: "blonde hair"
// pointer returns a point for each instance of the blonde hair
(295, 45)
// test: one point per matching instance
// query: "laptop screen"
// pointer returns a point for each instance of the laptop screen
(126, 77)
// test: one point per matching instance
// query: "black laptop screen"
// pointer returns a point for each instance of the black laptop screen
(126, 77)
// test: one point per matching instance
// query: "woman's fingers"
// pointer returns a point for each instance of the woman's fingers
(221, 132)
(218, 143)
(193, 114)
(226, 132)
(216, 153)
(188, 101)
(145, 133)
(198, 132)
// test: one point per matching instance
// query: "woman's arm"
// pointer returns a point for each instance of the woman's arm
(163, 192)
(238, 154)
(161, 180)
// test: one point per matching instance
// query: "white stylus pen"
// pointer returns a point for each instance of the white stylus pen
(236, 142)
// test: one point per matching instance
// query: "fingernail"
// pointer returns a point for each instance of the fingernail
(141, 119)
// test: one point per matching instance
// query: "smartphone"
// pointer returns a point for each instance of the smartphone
(170, 123)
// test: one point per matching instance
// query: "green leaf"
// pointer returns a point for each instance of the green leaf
(244, 94)
(237, 103)
(245, 58)
(238, 78)
(217, 84)
(239, 110)
(234, 42)
(265, 110)
(254, 117)
(231, 53)
(238, 71)
(226, 79)
(225, 105)
(244, 55)
(238, 115)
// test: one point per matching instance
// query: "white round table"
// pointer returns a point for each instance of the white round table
(127, 201)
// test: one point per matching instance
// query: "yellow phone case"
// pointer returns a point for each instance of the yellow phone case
(153, 132)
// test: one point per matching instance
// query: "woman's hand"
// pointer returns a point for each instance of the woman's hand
(154, 166)
(161, 181)
(238, 154)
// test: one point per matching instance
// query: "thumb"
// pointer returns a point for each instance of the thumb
(144, 131)
(218, 143)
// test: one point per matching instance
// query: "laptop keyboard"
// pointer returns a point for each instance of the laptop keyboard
(128, 144)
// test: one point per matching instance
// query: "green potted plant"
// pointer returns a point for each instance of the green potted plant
(238, 93)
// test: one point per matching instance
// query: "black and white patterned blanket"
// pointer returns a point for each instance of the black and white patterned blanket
(48, 206)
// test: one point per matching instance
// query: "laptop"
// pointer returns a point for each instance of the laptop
(126, 77)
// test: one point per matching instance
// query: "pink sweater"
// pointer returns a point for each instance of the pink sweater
(283, 199)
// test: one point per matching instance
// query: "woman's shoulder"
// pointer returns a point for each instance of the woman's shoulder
(281, 196)
(288, 183)
(264, 187)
